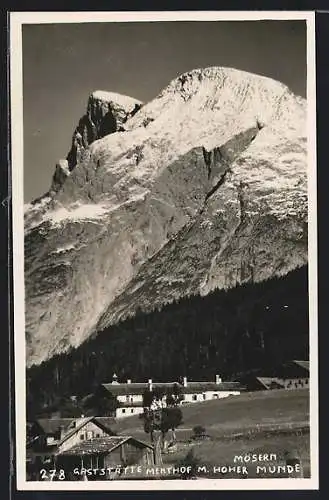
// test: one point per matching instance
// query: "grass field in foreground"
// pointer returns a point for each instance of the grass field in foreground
(222, 452)
(248, 412)
(259, 422)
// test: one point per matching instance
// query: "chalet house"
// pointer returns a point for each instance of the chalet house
(129, 395)
(55, 443)
(193, 392)
(47, 433)
(290, 375)
(106, 453)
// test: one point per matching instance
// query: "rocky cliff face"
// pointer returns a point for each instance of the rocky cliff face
(106, 113)
(203, 187)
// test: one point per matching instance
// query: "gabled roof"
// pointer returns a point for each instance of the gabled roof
(198, 387)
(106, 422)
(286, 370)
(52, 425)
(140, 388)
(103, 445)
(269, 382)
(125, 389)
(80, 424)
(131, 404)
(303, 364)
(136, 388)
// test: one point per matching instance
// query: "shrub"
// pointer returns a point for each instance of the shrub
(199, 430)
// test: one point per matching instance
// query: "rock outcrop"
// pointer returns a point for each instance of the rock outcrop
(206, 187)
(106, 113)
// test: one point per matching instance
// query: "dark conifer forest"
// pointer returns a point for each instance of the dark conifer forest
(227, 333)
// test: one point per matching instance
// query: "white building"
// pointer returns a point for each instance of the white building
(129, 395)
(194, 392)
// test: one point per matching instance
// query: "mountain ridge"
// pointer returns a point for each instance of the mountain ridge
(208, 180)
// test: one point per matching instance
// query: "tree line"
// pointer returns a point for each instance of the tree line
(226, 332)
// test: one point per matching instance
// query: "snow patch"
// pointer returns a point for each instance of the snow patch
(86, 211)
(65, 248)
(123, 100)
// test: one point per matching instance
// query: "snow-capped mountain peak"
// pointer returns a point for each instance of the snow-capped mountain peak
(203, 187)
(113, 97)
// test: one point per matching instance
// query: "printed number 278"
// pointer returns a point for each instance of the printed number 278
(51, 474)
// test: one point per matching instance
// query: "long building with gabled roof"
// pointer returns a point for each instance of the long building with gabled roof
(129, 395)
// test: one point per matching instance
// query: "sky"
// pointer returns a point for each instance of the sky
(64, 63)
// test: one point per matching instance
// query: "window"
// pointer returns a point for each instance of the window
(132, 410)
(97, 435)
(90, 434)
(82, 436)
(204, 396)
(194, 397)
(123, 410)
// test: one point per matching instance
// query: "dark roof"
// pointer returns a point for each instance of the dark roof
(105, 421)
(103, 445)
(36, 446)
(136, 388)
(285, 371)
(270, 382)
(303, 364)
(130, 404)
(122, 389)
(52, 425)
(140, 388)
(198, 387)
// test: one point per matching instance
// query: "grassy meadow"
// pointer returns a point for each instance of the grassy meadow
(261, 422)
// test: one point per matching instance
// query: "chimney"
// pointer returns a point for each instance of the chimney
(129, 381)
(218, 379)
(150, 384)
(184, 381)
(114, 378)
